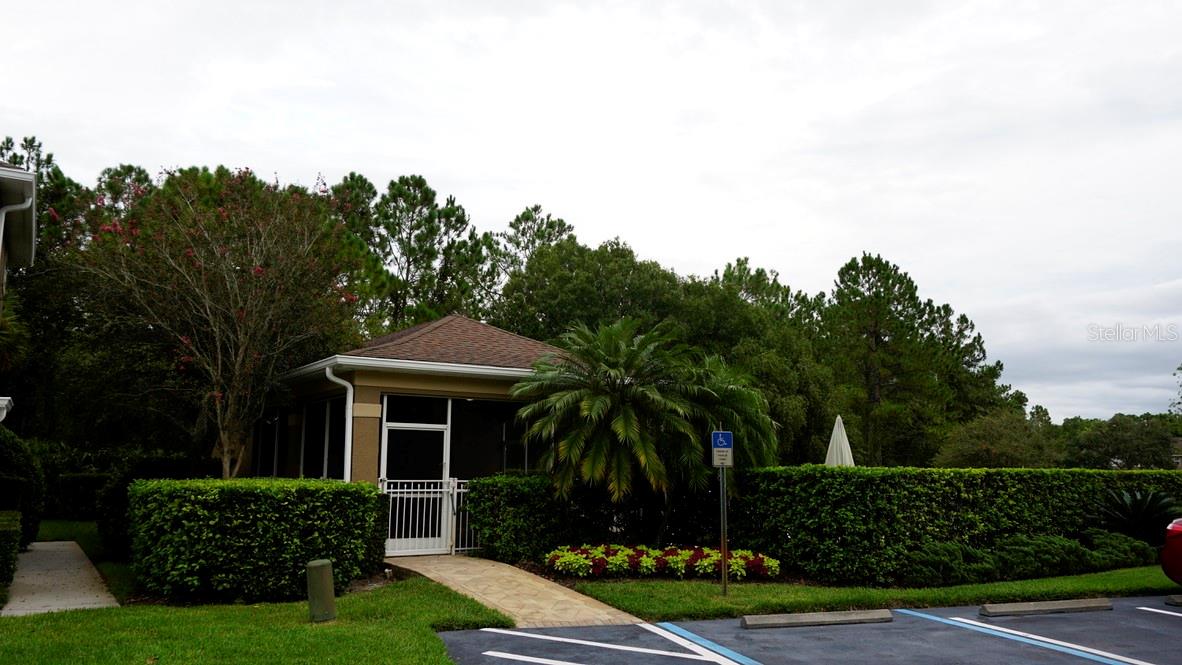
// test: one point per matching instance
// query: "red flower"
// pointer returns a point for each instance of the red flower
(258, 271)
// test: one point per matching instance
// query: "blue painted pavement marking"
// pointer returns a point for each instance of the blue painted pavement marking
(716, 648)
(1016, 638)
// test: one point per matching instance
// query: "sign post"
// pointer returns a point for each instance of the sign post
(722, 446)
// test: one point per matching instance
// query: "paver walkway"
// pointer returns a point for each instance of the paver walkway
(55, 576)
(531, 601)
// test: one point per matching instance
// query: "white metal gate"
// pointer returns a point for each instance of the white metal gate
(428, 517)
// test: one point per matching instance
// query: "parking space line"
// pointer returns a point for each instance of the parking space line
(1154, 609)
(600, 645)
(682, 642)
(1026, 638)
(733, 656)
(527, 659)
(1103, 654)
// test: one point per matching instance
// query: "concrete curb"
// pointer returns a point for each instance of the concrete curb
(816, 619)
(1176, 601)
(1045, 607)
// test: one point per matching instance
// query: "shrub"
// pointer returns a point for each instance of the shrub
(860, 524)
(10, 544)
(941, 564)
(641, 561)
(1116, 550)
(1022, 557)
(59, 458)
(1140, 514)
(112, 498)
(77, 495)
(248, 539)
(517, 518)
(16, 460)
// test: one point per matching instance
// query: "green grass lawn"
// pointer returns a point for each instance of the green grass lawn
(392, 624)
(667, 600)
(120, 580)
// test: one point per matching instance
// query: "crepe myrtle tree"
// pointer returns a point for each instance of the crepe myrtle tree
(241, 277)
(618, 403)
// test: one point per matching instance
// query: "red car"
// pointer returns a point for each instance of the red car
(1171, 554)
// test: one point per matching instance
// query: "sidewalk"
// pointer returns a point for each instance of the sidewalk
(55, 576)
(531, 601)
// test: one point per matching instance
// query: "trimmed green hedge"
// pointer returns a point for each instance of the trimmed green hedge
(517, 518)
(860, 524)
(17, 460)
(10, 544)
(112, 498)
(249, 539)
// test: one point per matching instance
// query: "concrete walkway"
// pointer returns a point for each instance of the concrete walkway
(531, 601)
(55, 576)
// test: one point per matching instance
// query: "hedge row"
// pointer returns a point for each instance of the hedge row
(10, 544)
(250, 539)
(858, 525)
(23, 486)
(517, 518)
(1022, 557)
(111, 500)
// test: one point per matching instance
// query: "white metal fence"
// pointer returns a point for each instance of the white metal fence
(428, 517)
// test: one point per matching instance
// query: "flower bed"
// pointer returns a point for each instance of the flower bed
(641, 561)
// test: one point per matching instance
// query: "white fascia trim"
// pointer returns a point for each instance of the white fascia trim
(409, 367)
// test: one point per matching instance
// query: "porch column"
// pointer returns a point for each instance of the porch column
(367, 433)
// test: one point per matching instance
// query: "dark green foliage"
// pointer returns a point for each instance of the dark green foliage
(567, 283)
(1141, 514)
(10, 543)
(1022, 557)
(906, 367)
(249, 539)
(947, 563)
(76, 495)
(859, 525)
(12, 491)
(1115, 550)
(112, 498)
(619, 403)
(16, 460)
(1123, 442)
(1004, 438)
(517, 518)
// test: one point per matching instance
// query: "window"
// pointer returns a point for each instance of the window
(322, 446)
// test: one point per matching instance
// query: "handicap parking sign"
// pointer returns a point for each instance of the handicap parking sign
(723, 444)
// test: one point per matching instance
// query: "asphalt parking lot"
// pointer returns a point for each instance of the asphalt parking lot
(1138, 631)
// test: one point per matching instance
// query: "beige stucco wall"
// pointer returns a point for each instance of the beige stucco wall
(367, 433)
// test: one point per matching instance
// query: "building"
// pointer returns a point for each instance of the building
(418, 412)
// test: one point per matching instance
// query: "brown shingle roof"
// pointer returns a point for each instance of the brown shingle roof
(459, 340)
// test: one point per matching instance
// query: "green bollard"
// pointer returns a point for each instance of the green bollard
(322, 604)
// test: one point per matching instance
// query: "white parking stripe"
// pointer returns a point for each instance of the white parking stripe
(1040, 638)
(682, 642)
(1154, 609)
(600, 645)
(527, 659)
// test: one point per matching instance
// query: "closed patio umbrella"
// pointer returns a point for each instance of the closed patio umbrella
(839, 447)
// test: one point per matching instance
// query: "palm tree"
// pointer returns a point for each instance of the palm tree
(616, 402)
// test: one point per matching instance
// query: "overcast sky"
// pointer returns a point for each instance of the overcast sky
(1020, 160)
